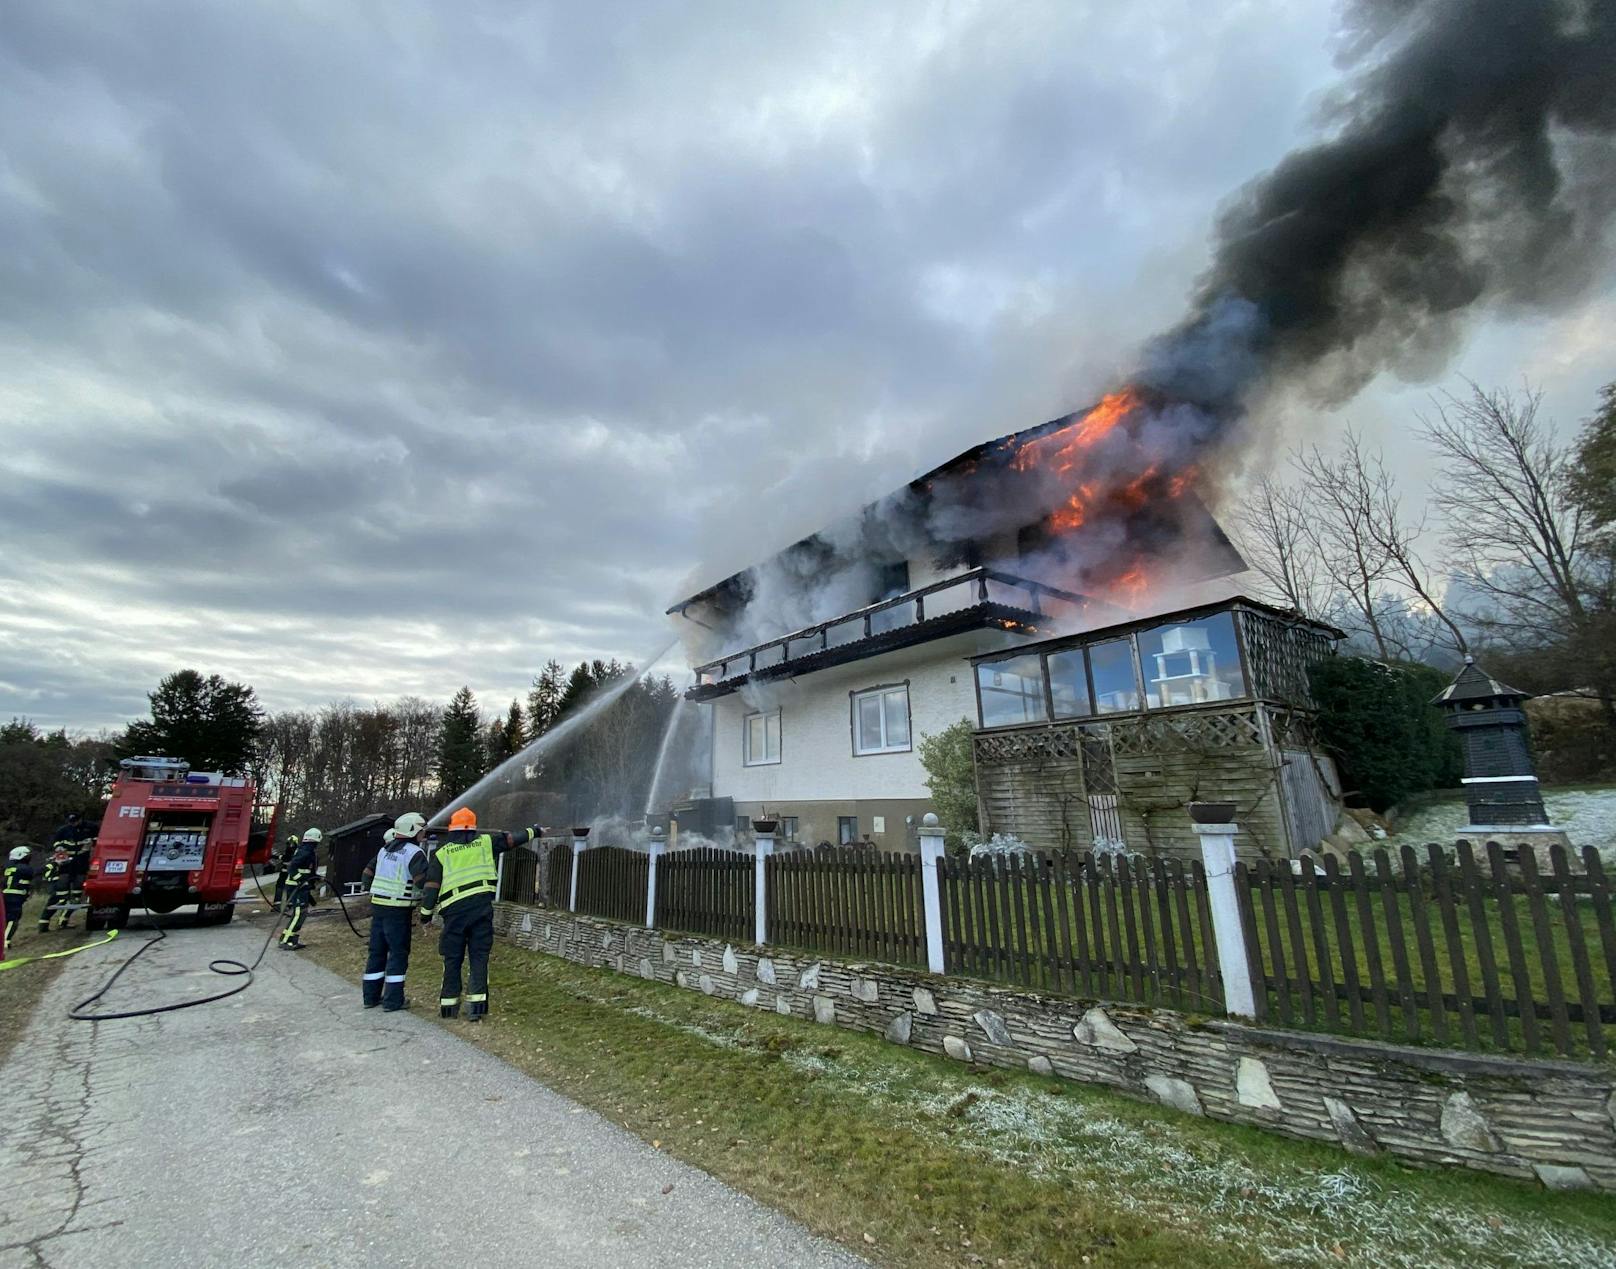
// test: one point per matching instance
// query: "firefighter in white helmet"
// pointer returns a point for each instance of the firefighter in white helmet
(19, 880)
(394, 881)
(300, 879)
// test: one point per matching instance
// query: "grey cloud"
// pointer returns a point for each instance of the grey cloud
(371, 350)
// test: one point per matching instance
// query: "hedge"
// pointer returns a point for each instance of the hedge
(1387, 737)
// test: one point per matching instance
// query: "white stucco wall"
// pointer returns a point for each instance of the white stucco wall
(816, 740)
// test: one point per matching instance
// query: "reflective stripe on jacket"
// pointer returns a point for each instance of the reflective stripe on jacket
(392, 886)
(18, 878)
(468, 869)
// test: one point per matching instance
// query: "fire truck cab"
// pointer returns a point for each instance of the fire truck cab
(170, 837)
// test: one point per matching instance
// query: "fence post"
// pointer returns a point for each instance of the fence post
(931, 853)
(580, 842)
(1217, 856)
(764, 847)
(658, 845)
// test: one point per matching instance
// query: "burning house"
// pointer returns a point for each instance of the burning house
(1463, 167)
(826, 664)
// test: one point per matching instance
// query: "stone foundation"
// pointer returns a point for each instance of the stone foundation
(1553, 1122)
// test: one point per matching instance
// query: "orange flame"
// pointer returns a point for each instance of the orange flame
(1062, 449)
(1133, 583)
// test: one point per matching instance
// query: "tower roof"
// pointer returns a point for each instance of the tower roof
(1472, 683)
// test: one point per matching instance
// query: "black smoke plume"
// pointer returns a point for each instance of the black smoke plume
(1470, 162)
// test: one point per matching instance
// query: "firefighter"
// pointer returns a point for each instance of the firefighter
(19, 880)
(394, 878)
(300, 881)
(460, 881)
(78, 868)
(72, 832)
(287, 851)
(58, 880)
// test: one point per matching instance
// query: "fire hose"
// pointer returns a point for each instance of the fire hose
(227, 966)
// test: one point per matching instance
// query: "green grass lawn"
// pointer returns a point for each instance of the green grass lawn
(21, 987)
(914, 1160)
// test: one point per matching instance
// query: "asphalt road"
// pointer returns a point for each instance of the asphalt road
(287, 1126)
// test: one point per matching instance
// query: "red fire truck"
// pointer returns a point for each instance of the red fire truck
(172, 836)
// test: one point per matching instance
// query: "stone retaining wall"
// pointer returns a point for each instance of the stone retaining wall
(1550, 1121)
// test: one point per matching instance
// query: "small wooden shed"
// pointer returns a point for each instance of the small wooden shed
(1101, 739)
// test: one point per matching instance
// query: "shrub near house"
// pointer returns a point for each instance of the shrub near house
(1376, 719)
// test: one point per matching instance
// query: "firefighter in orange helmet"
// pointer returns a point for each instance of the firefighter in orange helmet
(460, 882)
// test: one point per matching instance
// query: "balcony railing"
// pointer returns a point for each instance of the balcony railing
(976, 597)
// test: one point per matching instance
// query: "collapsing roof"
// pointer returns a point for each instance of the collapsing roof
(1100, 493)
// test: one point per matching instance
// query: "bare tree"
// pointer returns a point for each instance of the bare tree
(1271, 526)
(1369, 545)
(1340, 500)
(1513, 532)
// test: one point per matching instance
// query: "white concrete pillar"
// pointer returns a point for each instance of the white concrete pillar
(764, 847)
(658, 845)
(1217, 856)
(931, 854)
(580, 843)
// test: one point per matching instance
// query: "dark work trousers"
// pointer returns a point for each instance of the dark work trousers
(468, 928)
(14, 904)
(389, 958)
(297, 903)
(56, 901)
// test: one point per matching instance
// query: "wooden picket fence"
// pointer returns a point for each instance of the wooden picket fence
(1106, 927)
(705, 891)
(848, 902)
(519, 878)
(611, 883)
(1483, 953)
(1475, 951)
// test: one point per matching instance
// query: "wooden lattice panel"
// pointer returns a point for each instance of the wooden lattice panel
(1177, 733)
(1044, 742)
(1099, 770)
(1278, 654)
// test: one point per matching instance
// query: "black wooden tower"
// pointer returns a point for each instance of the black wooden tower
(1500, 785)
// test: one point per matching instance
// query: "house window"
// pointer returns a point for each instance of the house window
(1069, 683)
(1012, 691)
(1116, 677)
(1191, 662)
(881, 720)
(788, 828)
(760, 739)
(846, 829)
(743, 823)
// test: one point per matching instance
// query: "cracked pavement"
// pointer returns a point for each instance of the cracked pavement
(287, 1124)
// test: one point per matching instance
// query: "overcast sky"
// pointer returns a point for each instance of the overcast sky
(367, 350)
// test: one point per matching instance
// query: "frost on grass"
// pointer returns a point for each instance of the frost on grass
(1293, 1215)
(1588, 817)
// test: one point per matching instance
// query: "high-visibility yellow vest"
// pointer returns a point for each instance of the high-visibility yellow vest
(392, 886)
(468, 869)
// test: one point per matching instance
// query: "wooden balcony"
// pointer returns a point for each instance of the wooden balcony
(979, 599)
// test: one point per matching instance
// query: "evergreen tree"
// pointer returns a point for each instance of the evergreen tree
(515, 729)
(460, 745)
(506, 736)
(212, 724)
(580, 683)
(1593, 476)
(544, 701)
